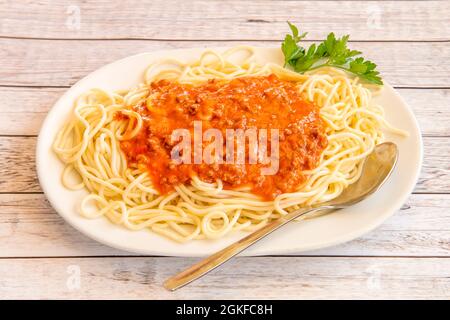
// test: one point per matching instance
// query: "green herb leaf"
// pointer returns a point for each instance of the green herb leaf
(294, 31)
(331, 52)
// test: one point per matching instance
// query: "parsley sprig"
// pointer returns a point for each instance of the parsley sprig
(332, 52)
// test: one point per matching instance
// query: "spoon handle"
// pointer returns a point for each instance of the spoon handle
(204, 266)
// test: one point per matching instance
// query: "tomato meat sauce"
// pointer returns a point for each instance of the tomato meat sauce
(262, 102)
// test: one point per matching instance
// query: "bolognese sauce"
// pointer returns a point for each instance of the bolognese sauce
(262, 102)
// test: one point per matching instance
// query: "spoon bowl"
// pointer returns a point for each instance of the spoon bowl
(377, 167)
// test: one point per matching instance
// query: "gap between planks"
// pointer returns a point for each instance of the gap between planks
(19, 86)
(137, 256)
(216, 40)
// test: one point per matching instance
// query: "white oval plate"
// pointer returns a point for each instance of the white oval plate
(296, 237)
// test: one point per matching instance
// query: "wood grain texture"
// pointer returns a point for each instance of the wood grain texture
(287, 278)
(63, 62)
(420, 228)
(224, 20)
(24, 108)
(21, 177)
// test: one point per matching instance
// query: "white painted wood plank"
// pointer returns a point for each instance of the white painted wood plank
(252, 20)
(24, 108)
(21, 177)
(420, 228)
(258, 278)
(63, 62)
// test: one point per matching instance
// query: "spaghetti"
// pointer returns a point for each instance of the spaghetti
(91, 144)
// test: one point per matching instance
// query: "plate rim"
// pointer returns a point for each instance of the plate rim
(294, 249)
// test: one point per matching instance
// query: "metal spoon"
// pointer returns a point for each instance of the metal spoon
(376, 169)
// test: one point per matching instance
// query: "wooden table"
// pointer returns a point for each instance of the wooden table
(46, 46)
